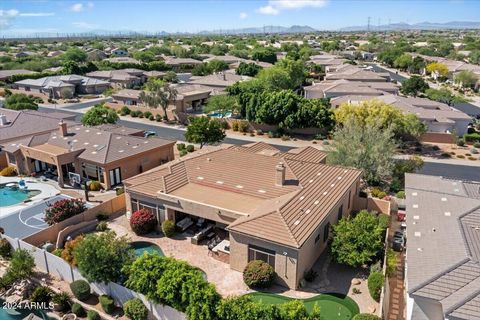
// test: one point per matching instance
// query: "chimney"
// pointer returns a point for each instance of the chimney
(3, 120)
(280, 174)
(63, 128)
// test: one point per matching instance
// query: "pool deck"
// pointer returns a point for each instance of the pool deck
(46, 191)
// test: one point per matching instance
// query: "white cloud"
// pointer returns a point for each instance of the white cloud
(274, 7)
(77, 7)
(7, 17)
(84, 25)
(243, 15)
(90, 5)
(36, 14)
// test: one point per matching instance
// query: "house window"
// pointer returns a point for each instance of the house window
(257, 253)
(349, 198)
(340, 212)
(317, 238)
(134, 205)
(326, 232)
(11, 158)
(93, 172)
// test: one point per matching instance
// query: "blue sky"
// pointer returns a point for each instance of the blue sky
(22, 17)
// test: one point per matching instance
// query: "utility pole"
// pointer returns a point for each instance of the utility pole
(368, 24)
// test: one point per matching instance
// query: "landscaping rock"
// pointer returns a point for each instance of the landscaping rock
(356, 281)
(372, 309)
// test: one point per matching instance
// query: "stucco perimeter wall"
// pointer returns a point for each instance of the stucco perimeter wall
(55, 233)
(434, 137)
(372, 204)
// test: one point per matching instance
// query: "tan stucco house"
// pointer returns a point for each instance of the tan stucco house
(269, 205)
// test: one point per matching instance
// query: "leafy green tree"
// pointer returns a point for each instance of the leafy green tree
(222, 104)
(75, 54)
(71, 67)
(264, 54)
(248, 69)
(21, 265)
(377, 113)
(403, 62)
(366, 147)
(357, 241)
(203, 130)
(20, 101)
(144, 56)
(295, 69)
(277, 106)
(414, 85)
(275, 79)
(444, 95)
(474, 57)
(170, 76)
(467, 79)
(99, 114)
(312, 113)
(217, 66)
(101, 256)
(417, 65)
(158, 93)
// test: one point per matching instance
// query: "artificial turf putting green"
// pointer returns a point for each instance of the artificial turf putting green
(332, 306)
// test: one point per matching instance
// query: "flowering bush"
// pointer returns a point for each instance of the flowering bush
(142, 221)
(258, 274)
(8, 172)
(63, 209)
(67, 252)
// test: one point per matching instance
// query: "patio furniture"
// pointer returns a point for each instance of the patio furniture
(200, 222)
(202, 234)
(184, 224)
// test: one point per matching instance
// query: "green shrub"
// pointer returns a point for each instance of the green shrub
(366, 316)
(9, 171)
(93, 315)
(401, 194)
(270, 134)
(460, 156)
(242, 126)
(147, 114)
(5, 248)
(258, 274)
(135, 309)
(285, 138)
(168, 228)
(78, 309)
(181, 146)
(472, 158)
(107, 303)
(235, 125)
(102, 226)
(58, 252)
(183, 152)
(190, 148)
(476, 144)
(375, 284)
(134, 114)
(41, 294)
(120, 191)
(102, 216)
(80, 289)
(95, 186)
(445, 155)
(158, 118)
(392, 262)
(326, 142)
(460, 142)
(62, 300)
(472, 137)
(377, 193)
(151, 118)
(140, 114)
(125, 110)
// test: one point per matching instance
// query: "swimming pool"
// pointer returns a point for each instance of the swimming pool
(143, 246)
(220, 115)
(10, 194)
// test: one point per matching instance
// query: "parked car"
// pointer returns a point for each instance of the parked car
(398, 244)
(148, 134)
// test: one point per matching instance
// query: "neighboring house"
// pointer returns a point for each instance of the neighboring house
(56, 53)
(123, 78)
(25, 123)
(354, 73)
(272, 206)
(5, 74)
(338, 88)
(443, 248)
(59, 86)
(123, 60)
(181, 63)
(107, 154)
(96, 54)
(439, 117)
(24, 54)
(218, 81)
(454, 66)
(127, 97)
(117, 52)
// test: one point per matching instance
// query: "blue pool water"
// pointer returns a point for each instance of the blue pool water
(13, 195)
(143, 246)
(220, 115)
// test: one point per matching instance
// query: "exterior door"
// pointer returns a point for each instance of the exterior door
(115, 176)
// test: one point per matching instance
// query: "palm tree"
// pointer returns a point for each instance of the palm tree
(158, 93)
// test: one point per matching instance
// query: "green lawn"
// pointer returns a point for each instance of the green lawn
(332, 307)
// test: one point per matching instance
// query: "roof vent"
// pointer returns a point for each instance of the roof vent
(447, 214)
(316, 202)
(414, 194)
(63, 128)
(200, 178)
(416, 217)
(418, 234)
(415, 206)
(219, 182)
(239, 186)
(444, 199)
(297, 222)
